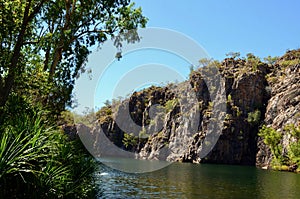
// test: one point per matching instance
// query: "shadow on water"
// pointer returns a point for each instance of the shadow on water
(181, 180)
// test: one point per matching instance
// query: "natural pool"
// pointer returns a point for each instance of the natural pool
(183, 180)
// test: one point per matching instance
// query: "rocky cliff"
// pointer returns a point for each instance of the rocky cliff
(282, 111)
(180, 121)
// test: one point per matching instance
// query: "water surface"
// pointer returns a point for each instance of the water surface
(182, 180)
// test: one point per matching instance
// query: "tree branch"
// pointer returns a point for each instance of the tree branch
(91, 31)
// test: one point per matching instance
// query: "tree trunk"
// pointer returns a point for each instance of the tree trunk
(9, 80)
(7, 86)
(61, 45)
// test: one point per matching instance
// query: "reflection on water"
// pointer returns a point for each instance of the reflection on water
(199, 181)
(133, 165)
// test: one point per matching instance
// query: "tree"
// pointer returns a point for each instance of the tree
(272, 138)
(233, 55)
(54, 38)
(270, 60)
(205, 62)
(253, 61)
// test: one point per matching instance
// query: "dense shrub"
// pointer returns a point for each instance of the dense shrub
(272, 138)
(254, 117)
(40, 162)
(281, 158)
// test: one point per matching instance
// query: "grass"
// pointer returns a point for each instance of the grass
(281, 168)
(40, 162)
(292, 62)
(170, 105)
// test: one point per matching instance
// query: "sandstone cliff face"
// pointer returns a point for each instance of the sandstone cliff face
(173, 123)
(284, 105)
(237, 143)
(178, 133)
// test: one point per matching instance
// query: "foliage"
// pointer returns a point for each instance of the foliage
(253, 61)
(271, 78)
(209, 67)
(287, 63)
(293, 130)
(271, 60)
(237, 110)
(39, 162)
(210, 105)
(272, 138)
(143, 134)
(233, 55)
(291, 54)
(53, 40)
(66, 118)
(192, 68)
(205, 62)
(290, 58)
(88, 118)
(104, 111)
(44, 47)
(130, 141)
(294, 153)
(227, 117)
(229, 99)
(170, 105)
(254, 117)
(294, 147)
(104, 114)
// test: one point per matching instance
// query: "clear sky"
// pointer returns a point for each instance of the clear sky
(265, 27)
(262, 27)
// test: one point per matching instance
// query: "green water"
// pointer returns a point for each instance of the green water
(181, 180)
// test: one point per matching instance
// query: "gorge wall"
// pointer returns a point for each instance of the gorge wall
(173, 121)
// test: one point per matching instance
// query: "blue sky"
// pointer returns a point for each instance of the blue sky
(262, 27)
(266, 27)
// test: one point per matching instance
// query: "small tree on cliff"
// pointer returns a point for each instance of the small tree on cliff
(233, 55)
(270, 60)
